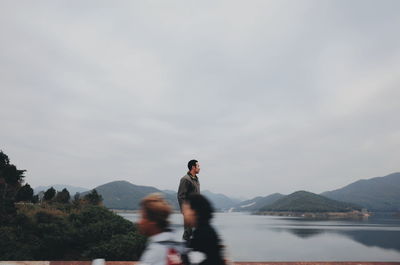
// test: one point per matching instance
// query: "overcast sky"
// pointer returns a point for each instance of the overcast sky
(269, 96)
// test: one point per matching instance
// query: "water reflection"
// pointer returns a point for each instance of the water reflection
(300, 232)
(382, 239)
(271, 238)
(370, 233)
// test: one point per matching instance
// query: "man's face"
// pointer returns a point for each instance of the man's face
(145, 225)
(197, 168)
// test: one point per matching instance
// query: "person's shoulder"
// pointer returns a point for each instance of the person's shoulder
(154, 254)
(186, 177)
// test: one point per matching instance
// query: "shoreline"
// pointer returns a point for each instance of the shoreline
(132, 211)
(306, 215)
(319, 215)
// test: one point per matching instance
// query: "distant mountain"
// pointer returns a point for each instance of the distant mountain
(256, 203)
(58, 187)
(170, 192)
(239, 198)
(125, 195)
(375, 194)
(220, 201)
(304, 201)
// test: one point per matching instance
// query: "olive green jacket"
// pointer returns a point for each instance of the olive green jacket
(189, 184)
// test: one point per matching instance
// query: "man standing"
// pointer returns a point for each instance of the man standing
(189, 185)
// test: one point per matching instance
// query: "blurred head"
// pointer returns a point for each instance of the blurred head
(194, 166)
(197, 210)
(154, 213)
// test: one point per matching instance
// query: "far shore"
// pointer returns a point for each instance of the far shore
(132, 211)
(124, 211)
(305, 215)
(320, 215)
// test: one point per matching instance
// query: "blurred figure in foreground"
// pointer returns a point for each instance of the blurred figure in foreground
(154, 213)
(197, 212)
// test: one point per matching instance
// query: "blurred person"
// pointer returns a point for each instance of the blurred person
(189, 184)
(154, 213)
(198, 212)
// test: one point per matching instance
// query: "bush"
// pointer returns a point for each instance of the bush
(119, 247)
(52, 234)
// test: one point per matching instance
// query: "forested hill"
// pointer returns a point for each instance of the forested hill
(303, 201)
(375, 194)
(125, 195)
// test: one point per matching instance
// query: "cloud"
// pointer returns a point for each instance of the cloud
(270, 96)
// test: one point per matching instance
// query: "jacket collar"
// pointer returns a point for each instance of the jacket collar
(191, 176)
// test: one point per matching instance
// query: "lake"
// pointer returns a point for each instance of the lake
(271, 238)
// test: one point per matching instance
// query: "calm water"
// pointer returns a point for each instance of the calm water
(268, 238)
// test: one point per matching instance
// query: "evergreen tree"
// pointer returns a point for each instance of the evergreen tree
(35, 198)
(76, 202)
(63, 196)
(4, 160)
(11, 179)
(77, 196)
(49, 194)
(25, 193)
(93, 197)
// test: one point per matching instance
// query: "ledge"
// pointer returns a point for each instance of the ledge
(235, 263)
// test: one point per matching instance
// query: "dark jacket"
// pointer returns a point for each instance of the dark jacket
(206, 240)
(189, 184)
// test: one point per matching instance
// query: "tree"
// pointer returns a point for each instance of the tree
(49, 194)
(77, 196)
(93, 197)
(25, 193)
(77, 200)
(12, 175)
(11, 180)
(63, 196)
(4, 160)
(35, 199)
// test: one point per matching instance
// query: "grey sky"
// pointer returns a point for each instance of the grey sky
(269, 96)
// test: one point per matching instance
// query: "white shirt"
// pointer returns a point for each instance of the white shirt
(156, 254)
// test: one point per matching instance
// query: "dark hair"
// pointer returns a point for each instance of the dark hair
(192, 163)
(203, 208)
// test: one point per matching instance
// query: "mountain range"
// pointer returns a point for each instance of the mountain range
(379, 194)
(125, 195)
(375, 194)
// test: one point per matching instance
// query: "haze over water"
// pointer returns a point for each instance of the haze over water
(268, 238)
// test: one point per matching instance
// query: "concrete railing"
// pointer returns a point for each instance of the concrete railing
(236, 263)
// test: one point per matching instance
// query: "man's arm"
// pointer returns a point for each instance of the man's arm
(183, 190)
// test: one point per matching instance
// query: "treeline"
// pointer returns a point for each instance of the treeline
(303, 201)
(58, 227)
(25, 194)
